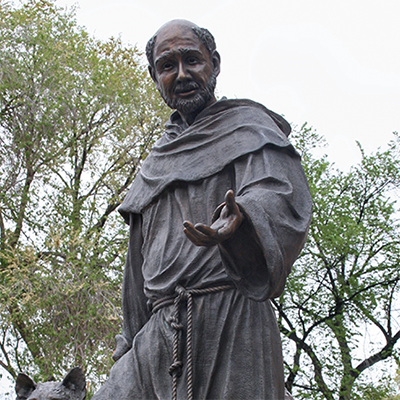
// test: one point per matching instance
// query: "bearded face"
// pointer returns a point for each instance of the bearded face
(184, 70)
(198, 102)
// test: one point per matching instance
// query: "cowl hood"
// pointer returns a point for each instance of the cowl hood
(221, 133)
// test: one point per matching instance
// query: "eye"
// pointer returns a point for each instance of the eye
(192, 60)
(167, 66)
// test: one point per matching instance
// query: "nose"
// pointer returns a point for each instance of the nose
(182, 72)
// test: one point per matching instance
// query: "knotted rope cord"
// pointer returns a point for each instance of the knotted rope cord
(189, 353)
(175, 369)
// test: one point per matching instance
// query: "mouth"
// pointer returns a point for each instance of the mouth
(187, 90)
(186, 93)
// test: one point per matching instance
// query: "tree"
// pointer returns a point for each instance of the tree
(77, 117)
(347, 280)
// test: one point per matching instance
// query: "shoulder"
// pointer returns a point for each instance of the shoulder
(246, 108)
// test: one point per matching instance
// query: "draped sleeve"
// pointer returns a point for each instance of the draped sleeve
(272, 193)
(134, 301)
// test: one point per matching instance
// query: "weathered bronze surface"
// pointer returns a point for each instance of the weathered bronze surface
(73, 387)
(218, 214)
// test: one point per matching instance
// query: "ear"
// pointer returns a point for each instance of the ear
(216, 59)
(24, 386)
(152, 73)
(75, 381)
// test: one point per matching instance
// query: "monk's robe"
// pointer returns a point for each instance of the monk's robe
(232, 144)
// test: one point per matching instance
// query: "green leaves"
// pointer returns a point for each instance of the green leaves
(77, 117)
(348, 274)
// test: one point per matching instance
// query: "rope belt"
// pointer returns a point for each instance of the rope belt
(181, 295)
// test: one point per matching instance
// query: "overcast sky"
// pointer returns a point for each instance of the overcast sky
(334, 64)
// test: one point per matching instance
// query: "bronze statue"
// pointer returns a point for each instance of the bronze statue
(198, 323)
(73, 387)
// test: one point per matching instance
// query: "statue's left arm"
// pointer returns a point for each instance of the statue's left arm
(134, 301)
(271, 213)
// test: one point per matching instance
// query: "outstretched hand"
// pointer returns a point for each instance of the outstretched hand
(222, 228)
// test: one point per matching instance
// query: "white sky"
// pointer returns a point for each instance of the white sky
(334, 64)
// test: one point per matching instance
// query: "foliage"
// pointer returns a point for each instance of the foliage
(77, 117)
(347, 280)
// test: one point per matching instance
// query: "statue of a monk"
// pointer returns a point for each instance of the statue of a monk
(218, 214)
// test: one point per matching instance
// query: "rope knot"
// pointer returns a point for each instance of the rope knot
(174, 322)
(181, 292)
(175, 369)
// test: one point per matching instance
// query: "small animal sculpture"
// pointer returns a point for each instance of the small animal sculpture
(73, 387)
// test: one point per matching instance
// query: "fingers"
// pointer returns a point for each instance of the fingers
(229, 197)
(230, 201)
(217, 212)
(226, 220)
(200, 235)
(221, 209)
(206, 230)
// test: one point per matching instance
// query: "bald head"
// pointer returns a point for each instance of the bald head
(181, 27)
(177, 23)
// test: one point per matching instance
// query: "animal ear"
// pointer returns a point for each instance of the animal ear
(75, 381)
(24, 386)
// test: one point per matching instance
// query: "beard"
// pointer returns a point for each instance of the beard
(198, 102)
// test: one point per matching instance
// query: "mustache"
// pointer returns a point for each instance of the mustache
(186, 87)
